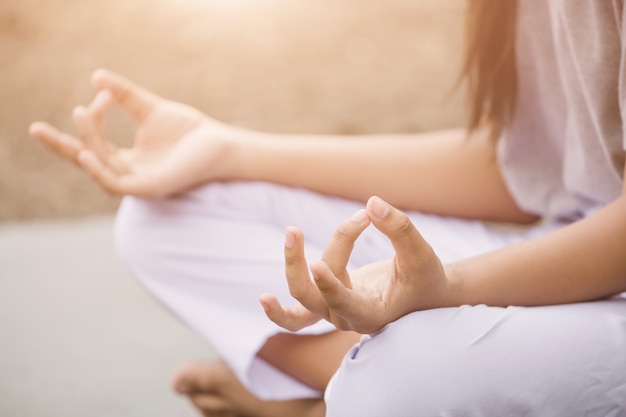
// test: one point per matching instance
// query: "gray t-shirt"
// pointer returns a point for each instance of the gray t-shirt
(564, 154)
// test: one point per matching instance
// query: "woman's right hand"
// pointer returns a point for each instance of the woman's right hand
(375, 294)
(176, 147)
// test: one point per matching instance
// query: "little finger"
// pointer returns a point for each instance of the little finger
(62, 143)
(292, 319)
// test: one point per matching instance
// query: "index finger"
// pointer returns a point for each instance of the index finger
(393, 223)
(339, 249)
(135, 99)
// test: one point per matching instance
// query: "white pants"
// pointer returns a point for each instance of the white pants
(209, 254)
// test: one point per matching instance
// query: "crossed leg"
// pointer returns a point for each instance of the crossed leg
(209, 254)
(215, 390)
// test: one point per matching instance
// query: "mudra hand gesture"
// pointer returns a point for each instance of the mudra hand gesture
(370, 297)
(176, 147)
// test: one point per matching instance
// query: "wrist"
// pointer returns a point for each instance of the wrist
(256, 156)
(236, 145)
(454, 294)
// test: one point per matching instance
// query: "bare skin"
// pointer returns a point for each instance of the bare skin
(310, 359)
(216, 392)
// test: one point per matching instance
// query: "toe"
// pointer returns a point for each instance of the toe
(196, 378)
(211, 405)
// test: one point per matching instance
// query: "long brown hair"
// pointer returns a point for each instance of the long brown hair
(490, 64)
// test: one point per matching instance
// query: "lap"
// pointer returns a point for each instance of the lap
(208, 254)
(476, 361)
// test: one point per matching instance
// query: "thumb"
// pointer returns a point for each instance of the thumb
(397, 226)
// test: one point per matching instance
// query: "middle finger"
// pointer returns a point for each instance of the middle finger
(298, 278)
(86, 132)
(96, 112)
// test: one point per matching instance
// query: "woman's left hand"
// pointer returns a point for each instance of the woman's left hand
(371, 296)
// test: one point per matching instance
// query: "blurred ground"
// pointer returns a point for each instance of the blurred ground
(78, 336)
(351, 66)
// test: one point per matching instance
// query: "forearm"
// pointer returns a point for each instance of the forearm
(581, 262)
(441, 172)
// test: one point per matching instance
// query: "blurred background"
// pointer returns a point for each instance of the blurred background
(77, 334)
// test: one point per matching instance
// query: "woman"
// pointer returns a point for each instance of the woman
(458, 318)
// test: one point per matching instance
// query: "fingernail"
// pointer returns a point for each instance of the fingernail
(379, 208)
(359, 217)
(290, 240)
(315, 275)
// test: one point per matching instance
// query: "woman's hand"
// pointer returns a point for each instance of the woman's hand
(176, 147)
(370, 297)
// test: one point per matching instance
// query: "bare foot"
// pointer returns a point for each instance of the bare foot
(215, 390)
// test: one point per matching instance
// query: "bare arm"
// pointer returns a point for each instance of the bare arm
(177, 148)
(583, 261)
(444, 173)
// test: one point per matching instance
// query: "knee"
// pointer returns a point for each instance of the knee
(384, 375)
(140, 228)
(413, 367)
(469, 362)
